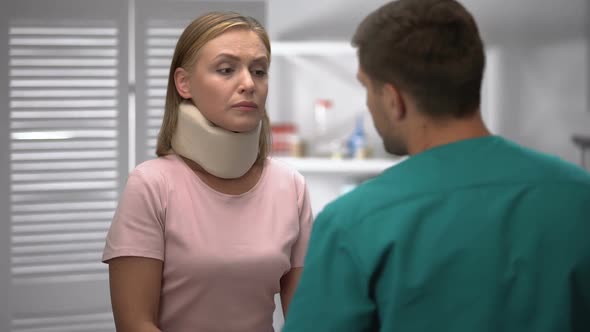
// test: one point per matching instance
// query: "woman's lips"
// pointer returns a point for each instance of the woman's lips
(245, 105)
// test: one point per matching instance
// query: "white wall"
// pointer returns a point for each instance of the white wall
(540, 94)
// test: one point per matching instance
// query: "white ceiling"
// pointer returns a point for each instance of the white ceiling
(500, 21)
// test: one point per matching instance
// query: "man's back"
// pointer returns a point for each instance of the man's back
(478, 235)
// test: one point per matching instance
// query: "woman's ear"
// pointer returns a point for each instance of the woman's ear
(182, 83)
(395, 101)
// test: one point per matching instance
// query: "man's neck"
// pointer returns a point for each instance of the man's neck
(429, 133)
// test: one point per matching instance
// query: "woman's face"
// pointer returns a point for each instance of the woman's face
(229, 81)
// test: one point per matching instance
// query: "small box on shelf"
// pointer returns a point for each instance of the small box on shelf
(286, 140)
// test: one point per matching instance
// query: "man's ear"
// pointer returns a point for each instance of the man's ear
(182, 83)
(394, 100)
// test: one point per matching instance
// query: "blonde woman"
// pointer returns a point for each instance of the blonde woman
(206, 234)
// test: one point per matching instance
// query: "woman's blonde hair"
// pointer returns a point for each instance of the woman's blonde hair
(194, 37)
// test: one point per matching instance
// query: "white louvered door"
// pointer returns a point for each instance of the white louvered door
(67, 123)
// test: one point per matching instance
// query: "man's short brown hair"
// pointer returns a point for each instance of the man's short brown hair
(430, 49)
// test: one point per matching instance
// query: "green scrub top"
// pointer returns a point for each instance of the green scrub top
(477, 235)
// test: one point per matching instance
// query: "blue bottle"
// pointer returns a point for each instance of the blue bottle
(357, 142)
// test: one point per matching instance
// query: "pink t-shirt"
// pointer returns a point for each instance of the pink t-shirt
(223, 255)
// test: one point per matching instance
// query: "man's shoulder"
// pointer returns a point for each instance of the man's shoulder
(357, 205)
(546, 168)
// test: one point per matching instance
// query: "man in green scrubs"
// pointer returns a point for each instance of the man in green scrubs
(472, 233)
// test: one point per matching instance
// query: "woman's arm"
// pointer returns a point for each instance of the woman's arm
(135, 293)
(288, 286)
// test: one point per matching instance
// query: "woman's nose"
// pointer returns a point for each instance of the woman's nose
(247, 84)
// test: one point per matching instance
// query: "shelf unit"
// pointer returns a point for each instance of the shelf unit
(350, 167)
(357, 168)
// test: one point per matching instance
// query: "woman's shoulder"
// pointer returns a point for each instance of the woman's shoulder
(157, 168)
(281, 166)
(280, 169)
(162, 162)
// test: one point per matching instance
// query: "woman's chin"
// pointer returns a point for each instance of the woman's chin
(238, 125)
(243, 127)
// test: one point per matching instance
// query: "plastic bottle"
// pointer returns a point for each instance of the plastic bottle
(357, 142)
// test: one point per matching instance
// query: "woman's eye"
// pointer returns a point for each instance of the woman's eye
(259, 72)
(225, 71)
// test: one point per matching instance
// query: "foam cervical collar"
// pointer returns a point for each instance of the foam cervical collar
(223, 153)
